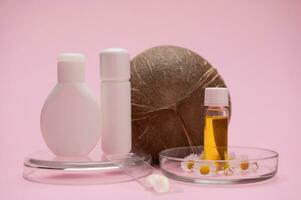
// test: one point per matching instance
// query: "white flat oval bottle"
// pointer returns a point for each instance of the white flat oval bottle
(70, 117)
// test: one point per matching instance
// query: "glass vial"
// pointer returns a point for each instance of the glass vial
(216, 124)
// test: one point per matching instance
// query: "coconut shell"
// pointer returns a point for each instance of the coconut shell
(168, 85)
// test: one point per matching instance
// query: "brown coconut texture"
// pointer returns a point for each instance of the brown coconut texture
(168, 85)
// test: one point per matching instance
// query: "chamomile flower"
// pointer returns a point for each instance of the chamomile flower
(189, 162)
(248, 166)
(227, 168)
(244, 164)
(204, 168)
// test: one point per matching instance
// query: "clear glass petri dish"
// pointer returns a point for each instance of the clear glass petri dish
(242, 165)
(45, 167)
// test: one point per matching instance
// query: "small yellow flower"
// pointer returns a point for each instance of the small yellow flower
(222, 166)
(244, 165)
(204, 169)
(226, 165)
(189, 162)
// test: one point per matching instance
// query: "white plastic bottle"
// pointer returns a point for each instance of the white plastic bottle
(70, 117)
(115, 101)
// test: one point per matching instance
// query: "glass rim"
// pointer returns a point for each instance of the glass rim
(274, 154)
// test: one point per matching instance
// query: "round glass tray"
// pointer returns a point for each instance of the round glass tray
(45, 167)
(242, 165)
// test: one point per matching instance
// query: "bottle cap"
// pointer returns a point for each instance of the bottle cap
(114, 64)
(71, 68)
(215, 96)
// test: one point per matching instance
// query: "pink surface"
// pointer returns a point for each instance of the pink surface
(255, 45)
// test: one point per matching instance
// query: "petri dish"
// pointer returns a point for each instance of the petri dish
(243, 165)
(45, 167)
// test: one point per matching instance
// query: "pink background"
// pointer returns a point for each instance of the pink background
(255, 45)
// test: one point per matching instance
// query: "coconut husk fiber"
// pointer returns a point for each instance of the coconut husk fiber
(168, 85)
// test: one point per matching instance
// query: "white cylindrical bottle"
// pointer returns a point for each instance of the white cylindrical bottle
(115, 90)
(71, 114)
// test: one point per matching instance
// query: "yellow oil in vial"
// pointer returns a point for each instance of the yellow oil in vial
(215, 137)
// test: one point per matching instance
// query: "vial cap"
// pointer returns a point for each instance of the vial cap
(71, 67)
(215, 96)
(114, 64)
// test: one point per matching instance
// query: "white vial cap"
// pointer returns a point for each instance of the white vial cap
(71, 67)
(215, 96)
(115, 64)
